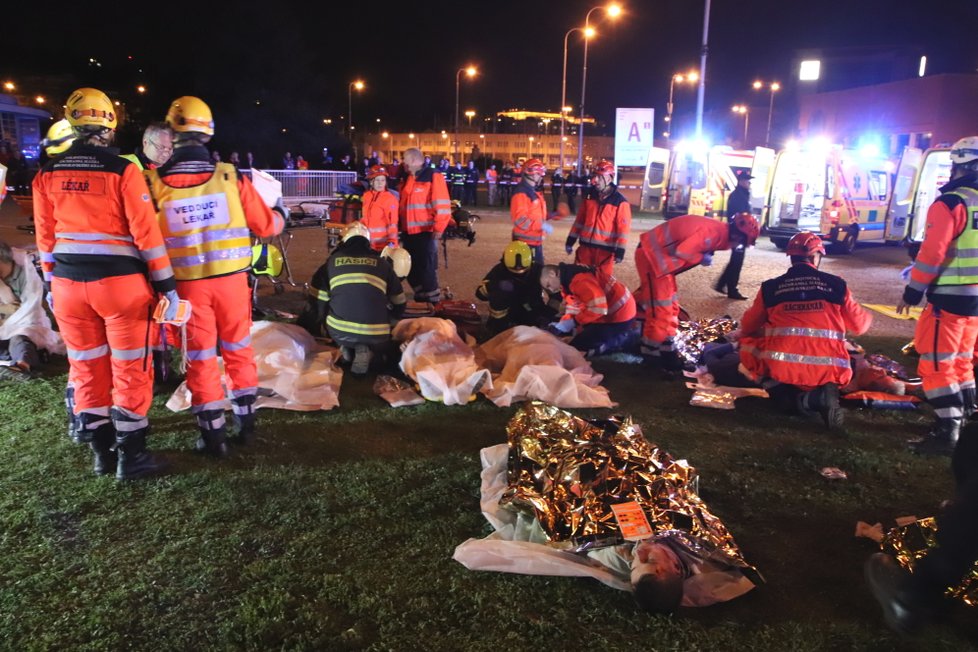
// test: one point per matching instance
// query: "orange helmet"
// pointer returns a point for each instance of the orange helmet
(534, 166)
(377, 171)
(805, 243)
(748, 225)
(604, 167)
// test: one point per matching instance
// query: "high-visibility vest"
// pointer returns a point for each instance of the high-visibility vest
(204, 227)
(961, 264)
(528, 213)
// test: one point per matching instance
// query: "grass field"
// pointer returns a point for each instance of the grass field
(335, 532)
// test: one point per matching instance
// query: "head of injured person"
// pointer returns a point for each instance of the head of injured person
(657, 577)
(550, 278)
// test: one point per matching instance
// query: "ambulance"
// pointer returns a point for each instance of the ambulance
(919, 178)
(840, 194)
(700, 179)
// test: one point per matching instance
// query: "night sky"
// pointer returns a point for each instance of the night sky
(298, 58)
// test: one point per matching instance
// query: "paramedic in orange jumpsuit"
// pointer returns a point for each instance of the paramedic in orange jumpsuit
(672, 248)
(380, 210)
(424, 212)
(603, 222)
(102, 254)
(528, 209)
(206, 210)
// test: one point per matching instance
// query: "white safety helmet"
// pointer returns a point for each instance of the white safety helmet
(355, 229)
(965, 151)
(400, 260)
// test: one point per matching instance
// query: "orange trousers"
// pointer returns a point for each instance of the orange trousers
(596, 258)
(106, 325)
(220, 317)
(661, 300)
(946, 344)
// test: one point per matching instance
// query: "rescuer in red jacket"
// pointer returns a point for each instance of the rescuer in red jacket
(207, 212)
(528, 209)
(603, 222)
(424, 212)
(102, 254)
(947, 331)
(380, 210)
(597, 302)
(793, 337)
(672, 248)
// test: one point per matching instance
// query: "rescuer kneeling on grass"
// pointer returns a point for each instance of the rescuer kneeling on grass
(102, 252)
(358, 291)
(513, 291)
(793, 340)
(597, 302)
(668, 250)
(206, 211)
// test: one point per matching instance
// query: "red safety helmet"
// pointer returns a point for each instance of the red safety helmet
(376, 171)
(534, 166)
(748, 225)
(604, 168)
(805, 243)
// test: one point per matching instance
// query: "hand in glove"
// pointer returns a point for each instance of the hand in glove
(548, 229)
(905, 272)
(569, 245)
(564, 326)
(707, 260)
(171, 310)
(619, 254)
(50, 299)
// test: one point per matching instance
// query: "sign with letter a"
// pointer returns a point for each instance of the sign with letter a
(194, 213)
(633, 136)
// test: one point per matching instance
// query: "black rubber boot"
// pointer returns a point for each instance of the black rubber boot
(941, 440)
(213, 433)
(244, 418)
(361, 360)
(103, 449)
(134, 460)
(73, 424)
(825, 402)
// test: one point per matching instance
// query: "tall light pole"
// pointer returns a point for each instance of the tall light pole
(691, 77)
(701, 90)
(588, 33)
(774, 87)
(470, 114)
(743, 110)
(470, 71)
(358, 84)
(613, 10)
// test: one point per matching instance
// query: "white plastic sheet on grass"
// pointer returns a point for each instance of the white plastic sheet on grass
(294, 370)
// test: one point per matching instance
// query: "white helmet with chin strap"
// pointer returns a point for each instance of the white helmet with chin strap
(965, 151)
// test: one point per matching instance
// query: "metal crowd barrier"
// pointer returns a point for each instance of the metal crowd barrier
(311, 185)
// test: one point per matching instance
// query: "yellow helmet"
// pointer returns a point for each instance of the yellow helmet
(90, 107)
(400, 260)
(59, 138)
(190, 114)
(517, 257)
(266, 260)
(354, 229)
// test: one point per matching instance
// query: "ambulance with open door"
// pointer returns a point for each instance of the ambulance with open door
(699, 181)
(918, 182)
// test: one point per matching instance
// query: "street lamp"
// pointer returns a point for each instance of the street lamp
(470, 114)
(691, 77)
(613, 10)
(40, 99)
(774, 87)
(564, 110)
(529, 149)
(140, 89)
(470, 71)
(9, 86)
(744, 111)
(358, 84)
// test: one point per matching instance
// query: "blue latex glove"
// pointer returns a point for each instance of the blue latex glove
(548, 229)
(905, 272)
(565, 326)
(707, 260)
(171, 310)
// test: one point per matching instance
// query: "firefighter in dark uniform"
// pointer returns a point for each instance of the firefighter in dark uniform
(456, 178)
(513, 291)
(358, 292)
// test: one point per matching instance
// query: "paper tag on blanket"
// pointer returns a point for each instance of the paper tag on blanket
(632, 521)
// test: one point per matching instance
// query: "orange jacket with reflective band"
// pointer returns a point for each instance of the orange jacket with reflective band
(94, 219)
(593, 297)
(528, 211)
(207, 249)
(425, 205)
(679, 244)
(603, 223)
(380, 217)
(795, 330)
(947, 222)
